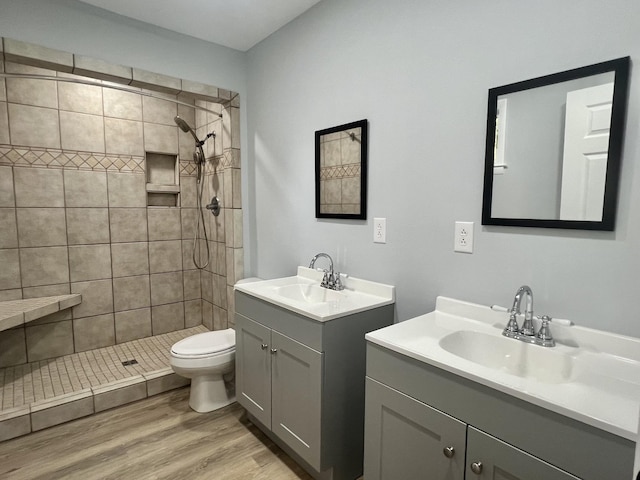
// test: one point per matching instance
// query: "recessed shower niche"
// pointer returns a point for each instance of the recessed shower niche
(163, 179)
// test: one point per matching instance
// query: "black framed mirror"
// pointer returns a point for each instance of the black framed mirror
(341, 171)
(553, 149)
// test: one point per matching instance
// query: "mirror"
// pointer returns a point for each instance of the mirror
(341, 171)
(554, 147)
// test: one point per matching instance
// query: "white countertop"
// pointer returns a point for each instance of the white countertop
(600, 385)
(358, 295)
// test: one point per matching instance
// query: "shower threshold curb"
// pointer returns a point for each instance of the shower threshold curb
(43, 414)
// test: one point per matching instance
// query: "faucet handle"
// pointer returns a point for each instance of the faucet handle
(544, 337)
(512, 329)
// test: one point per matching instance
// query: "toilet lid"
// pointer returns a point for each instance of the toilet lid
(218, 341)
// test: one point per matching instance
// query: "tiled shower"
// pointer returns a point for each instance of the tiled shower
(80, 211)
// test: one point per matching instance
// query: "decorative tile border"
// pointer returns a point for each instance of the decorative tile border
(50, 158)
(340, 171)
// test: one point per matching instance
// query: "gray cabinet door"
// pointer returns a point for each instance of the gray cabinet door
(406, 439)
(253, 368)
(296, 389)
(501, 461)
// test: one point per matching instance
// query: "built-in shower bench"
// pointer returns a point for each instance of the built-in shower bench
(18, 312)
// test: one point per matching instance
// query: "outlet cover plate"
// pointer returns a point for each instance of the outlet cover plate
(463, 237)
(379, 230)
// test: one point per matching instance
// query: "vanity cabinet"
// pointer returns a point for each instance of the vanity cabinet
(406, 438)
(302, 382)
(424, 422)
(279, 382)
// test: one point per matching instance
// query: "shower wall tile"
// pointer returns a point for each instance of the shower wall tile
(32, 54)
(164, 223)
(47, 290)
(206, 282)
(97, 298)
(4, 120)
(166, 288)
(235, 269)
(87, 225)
(165, 256)
(13, 349)
(187, 255)
(160, 138)
(167, 318)
(128, 224)
(192, 313)
(131, 293)
(130, 259)
(156, 81)
(94, 332)
(44, 266)
(8, 229)
(207, 315)
(7, 197)
(99, 69)
(85, 189)
(155, 110)
(192, 285)
(188, 191)
(189, 220)
(79, 98)
(126, 190)
(38, 187)
(89, 262)
(79, 131)
(219, 318)
(123, 136)
(50, 340)
(233, 227)
(133, 324)
(41, 227)
(217, 225)
(37, 93)
(124, 105)
(34, 126)
(7, 295)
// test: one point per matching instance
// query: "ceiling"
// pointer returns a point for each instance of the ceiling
(238, 24)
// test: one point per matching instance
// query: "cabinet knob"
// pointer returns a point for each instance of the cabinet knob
(273, 351)
(264, 346)
(476, 467)
(449, 452)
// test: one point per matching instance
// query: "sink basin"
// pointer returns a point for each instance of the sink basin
(511, 356)
(303, 294)
(309, 293)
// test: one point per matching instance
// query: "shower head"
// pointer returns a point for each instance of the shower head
(184, 126)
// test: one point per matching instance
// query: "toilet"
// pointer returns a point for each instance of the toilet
(207, 358)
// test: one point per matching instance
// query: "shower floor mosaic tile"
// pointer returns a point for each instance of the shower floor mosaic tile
(45, 393)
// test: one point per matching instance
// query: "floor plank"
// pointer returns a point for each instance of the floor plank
(156, 438)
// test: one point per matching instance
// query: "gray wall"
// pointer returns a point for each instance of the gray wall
(420, 72)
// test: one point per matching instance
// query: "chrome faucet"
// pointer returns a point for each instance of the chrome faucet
(331, 279)
(527, 332)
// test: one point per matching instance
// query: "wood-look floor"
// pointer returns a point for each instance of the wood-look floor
(156, 438)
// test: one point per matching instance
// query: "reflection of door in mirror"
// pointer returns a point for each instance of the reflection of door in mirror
(586, 142)
(340, 172)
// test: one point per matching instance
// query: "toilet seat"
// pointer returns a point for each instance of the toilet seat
(208, 344)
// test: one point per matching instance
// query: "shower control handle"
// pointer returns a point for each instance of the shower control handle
(214, 206)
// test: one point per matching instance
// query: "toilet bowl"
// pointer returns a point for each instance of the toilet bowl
(207, 358)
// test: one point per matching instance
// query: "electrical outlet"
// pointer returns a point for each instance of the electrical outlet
(379, 230)
(463, 237)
